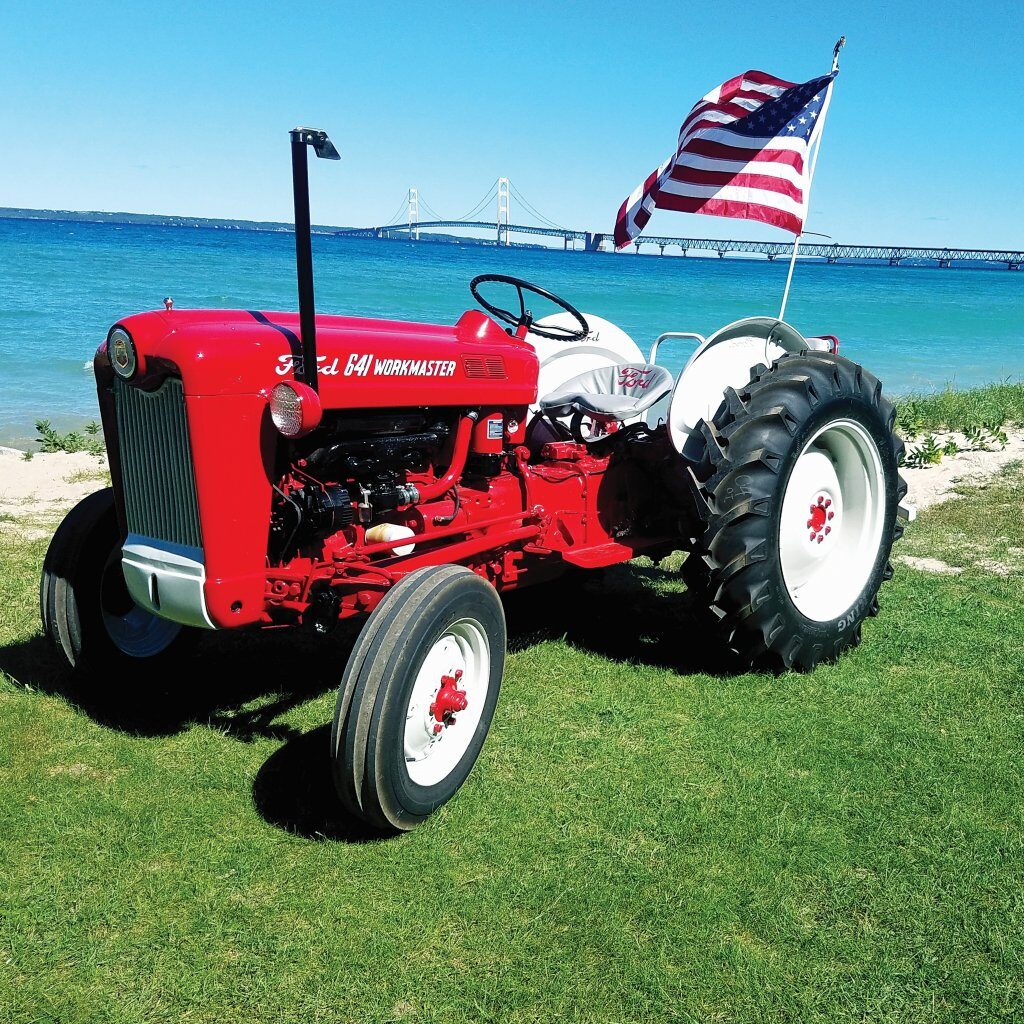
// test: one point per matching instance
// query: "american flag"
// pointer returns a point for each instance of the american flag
(743, 152)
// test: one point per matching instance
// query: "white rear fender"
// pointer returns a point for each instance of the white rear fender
(726, 359)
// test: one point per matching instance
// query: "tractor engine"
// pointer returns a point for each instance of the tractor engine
(355, 467)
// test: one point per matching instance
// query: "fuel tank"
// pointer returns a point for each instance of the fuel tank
(362, 363)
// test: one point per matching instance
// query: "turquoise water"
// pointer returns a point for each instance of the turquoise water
(62, 285)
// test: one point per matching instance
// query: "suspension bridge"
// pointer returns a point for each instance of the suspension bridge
(406, 223)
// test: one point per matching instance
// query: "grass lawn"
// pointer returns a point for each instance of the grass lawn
(644, 837)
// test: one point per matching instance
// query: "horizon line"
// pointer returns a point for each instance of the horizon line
(278, 226)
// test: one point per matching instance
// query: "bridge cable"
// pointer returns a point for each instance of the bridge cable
(532, 209)
(424, 205)
(489, 195)
(393, 220)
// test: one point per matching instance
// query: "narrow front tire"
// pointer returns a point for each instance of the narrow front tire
(417, 697)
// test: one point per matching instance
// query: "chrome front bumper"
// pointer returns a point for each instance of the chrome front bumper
(166, 579)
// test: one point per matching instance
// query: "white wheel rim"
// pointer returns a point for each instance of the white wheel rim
(135, 631)
(459, 662)
(833, 513)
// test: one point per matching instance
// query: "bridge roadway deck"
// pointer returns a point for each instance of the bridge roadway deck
(831, 251)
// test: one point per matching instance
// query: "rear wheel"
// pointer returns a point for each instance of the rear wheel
(86, 609)
(417, 697)
(798, 492)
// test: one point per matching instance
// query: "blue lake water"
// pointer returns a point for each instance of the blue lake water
(63, 284)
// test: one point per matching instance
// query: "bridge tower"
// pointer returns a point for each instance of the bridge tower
(414, 213)
(503, 209)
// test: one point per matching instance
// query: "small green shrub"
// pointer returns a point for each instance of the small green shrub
(910, 419)
(985, 438)
(51, 440)
(929, 453)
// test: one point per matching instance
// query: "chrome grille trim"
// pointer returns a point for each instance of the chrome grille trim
(156, 463)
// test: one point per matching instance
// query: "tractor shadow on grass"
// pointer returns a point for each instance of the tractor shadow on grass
(294, 791)
(238, 684)
(634, 613)
(241, 684)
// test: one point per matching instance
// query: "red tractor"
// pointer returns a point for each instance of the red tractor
(272, 469)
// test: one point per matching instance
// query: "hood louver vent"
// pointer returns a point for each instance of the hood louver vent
(484, 367)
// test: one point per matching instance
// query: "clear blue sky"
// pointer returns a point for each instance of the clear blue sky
(184, 108)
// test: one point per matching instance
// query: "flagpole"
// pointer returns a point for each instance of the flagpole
(810, 177)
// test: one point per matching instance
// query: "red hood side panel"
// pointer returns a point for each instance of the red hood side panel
(363, 363)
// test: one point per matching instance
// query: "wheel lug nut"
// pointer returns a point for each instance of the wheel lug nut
(831, 515)
(828, 501)
(820, 538)
(828, 529)
(810, 523)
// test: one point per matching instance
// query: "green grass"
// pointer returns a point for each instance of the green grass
(993, 543)
(959, 410)
(82, 476)
(642, 840)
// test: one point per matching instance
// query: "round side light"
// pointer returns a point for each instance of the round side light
(121, 352)
(295, 408)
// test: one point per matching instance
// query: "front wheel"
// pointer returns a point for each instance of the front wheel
(86, 610)
(417, 697)
(798, 489)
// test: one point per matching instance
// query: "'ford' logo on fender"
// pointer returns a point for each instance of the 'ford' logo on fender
(286, 364)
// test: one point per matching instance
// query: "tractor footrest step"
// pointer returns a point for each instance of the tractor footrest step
(600, 555)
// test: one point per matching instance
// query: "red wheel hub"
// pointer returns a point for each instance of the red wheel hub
(449, 699)
(821, 514)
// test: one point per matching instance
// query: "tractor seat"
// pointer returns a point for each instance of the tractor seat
(610, 392)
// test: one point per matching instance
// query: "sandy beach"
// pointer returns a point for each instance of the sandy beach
(36, 492)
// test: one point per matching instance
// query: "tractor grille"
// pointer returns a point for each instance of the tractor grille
(156, 463)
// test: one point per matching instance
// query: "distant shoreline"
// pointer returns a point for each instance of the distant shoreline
(159, 220)
(270, 227)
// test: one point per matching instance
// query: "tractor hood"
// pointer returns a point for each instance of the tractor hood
(362, 363)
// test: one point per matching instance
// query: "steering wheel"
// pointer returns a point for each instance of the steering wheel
(525, 317)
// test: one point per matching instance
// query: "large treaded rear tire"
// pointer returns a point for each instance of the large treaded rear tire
(750, 450)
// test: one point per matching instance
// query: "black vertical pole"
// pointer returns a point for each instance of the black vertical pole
(304, 259)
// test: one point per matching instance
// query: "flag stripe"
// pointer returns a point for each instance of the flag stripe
(710, 148)
(762, 182)
(763, 78)
(769, 168)
(718, 133)
(734, 193)
(726, 208)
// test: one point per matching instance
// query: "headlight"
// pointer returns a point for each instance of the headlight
(121, 350)
(295, 408)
